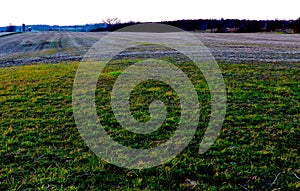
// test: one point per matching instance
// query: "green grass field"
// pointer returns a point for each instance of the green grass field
(42, 149)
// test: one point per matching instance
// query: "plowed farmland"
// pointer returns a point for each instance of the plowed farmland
(53, 47)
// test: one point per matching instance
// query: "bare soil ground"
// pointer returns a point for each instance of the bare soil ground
(48, 47)
(53, 47)
(253, 47)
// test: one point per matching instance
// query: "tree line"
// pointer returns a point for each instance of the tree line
(224, 25)
(200, 25)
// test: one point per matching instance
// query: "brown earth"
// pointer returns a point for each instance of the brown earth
(53, 47)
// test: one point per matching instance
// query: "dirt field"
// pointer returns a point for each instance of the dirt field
(26, 48)
(254, 47)
(52, 47)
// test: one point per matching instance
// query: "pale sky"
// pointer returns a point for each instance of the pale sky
(63, 12)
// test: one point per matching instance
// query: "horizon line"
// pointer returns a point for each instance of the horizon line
(276, 19)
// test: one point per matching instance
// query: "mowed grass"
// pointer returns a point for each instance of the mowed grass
(42, 149)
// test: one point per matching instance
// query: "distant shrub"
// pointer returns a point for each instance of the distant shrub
(11, 28)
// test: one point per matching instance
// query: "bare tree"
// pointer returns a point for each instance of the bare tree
(111, 21)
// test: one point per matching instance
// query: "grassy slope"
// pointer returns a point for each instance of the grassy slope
(41, 147)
